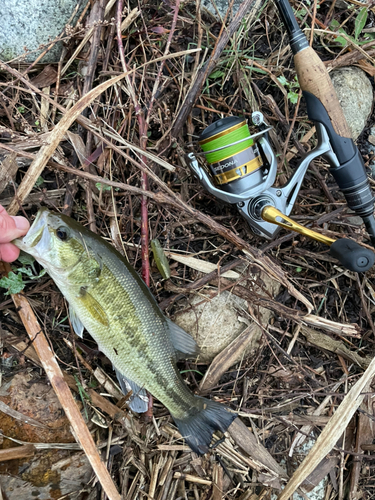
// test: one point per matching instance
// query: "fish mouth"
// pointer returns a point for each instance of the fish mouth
(37, 240)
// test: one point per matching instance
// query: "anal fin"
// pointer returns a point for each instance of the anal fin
(138, 401)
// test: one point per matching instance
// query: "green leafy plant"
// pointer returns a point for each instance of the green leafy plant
(292, 88)
(216, 74)
(14, 282)
(300, 14)
(359, 24)
(39, 181)
(103, 187)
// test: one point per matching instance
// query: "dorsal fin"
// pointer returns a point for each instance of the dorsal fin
(183, 342)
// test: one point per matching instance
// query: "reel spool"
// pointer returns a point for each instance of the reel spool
(241, 170)
(232, 155)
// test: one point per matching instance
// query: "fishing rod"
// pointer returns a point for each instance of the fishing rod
(242, 167)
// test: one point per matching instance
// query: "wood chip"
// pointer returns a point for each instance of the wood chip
(192, 479)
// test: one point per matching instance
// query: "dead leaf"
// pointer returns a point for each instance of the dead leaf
(200, 265)
(366, 66)
(159, 30)
(78, 145)
(46, 78)
(227, 358)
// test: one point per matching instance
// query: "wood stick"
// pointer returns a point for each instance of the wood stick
(25, 451)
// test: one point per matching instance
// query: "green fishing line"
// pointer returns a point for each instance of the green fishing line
(227, 140)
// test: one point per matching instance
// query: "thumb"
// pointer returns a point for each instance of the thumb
(12, 227)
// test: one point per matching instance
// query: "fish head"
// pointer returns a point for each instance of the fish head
(54, 240)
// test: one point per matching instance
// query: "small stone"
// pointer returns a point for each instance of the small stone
(371, 139)
(356, 221)
(216, 322)
(222, 7)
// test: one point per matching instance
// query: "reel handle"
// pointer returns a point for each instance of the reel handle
(349, 253)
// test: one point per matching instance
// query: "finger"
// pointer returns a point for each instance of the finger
(9, 252)
(12, 227)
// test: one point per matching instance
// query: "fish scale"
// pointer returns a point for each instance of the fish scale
(108, 298)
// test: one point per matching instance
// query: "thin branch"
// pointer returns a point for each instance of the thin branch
(142, 125)
(166, 51)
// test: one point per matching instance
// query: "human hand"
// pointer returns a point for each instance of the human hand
(11, 227)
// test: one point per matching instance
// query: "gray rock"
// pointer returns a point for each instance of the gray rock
(216, 322)
(31, 23)
(355, 220)
(371, 149)
(222, 6)
(355, 94)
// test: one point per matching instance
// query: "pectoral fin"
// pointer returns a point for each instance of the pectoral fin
(76, 322)
(93, 307)
(138, 401)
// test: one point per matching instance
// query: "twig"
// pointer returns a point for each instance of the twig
(313, 23)
(166, 51)
(25, 451)
(351, 57)
(87, 86)
(291, 127)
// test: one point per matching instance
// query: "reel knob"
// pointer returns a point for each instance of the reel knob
(352, 256)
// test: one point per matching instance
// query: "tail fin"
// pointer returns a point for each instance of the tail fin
(202, 421)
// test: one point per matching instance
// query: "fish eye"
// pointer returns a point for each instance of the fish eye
(62, 233)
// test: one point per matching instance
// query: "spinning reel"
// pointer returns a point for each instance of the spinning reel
(242, 170)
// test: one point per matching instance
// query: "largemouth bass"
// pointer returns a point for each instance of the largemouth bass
(108, 298)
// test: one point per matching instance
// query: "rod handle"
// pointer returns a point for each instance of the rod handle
(313, 77)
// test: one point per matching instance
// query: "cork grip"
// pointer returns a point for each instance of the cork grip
(313, 77)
